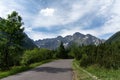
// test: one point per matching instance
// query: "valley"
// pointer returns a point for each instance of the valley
(59, 40)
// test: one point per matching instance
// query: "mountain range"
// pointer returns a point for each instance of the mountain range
(76, 38)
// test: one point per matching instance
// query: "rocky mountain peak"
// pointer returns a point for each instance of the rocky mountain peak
(68, 40)
(78, 34)
(59, 37)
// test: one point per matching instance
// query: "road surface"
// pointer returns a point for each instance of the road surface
(56, 70)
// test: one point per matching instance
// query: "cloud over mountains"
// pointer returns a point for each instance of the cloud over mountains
(50, 18)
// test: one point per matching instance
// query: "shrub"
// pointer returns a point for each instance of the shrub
(35, 55)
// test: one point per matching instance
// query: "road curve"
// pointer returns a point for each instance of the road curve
(56, 70)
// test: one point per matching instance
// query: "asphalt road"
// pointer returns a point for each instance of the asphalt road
(56, 70)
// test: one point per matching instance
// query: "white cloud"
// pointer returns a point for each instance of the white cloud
(47, 12)
(28, 29)
(106, 7)
(109, 9)
(50, 17)
(40, 35)
(113, 12)
(7, 7)
(59, 15)
(71, 31)
(35, 35)
(111, 26)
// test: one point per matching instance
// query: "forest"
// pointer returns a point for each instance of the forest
(104, 55)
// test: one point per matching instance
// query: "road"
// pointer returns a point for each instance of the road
(56, 70)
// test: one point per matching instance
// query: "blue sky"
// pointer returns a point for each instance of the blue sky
(51, 18)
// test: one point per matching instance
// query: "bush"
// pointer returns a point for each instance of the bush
(35, 55)
(84, 60)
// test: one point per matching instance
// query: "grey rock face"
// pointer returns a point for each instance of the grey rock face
(68, 40)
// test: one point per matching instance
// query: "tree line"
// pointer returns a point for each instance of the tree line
(103, 55)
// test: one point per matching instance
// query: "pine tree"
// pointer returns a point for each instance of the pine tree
(61, 51)
(11, 37)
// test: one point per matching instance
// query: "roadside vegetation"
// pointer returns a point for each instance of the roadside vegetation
(94, 73)
(79, 73)
(104, 74)
(15, 56)
(102, 60)
(104, 55)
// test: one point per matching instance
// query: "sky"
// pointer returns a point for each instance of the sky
(51, 18)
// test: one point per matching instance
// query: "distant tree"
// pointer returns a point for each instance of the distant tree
(11, 37)
(76, 52)
(61, 53)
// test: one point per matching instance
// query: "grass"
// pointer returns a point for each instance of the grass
(18, 69)
(79, 73)
(104, 74)
(100, 73)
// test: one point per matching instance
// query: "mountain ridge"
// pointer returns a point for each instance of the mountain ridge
(28, 43)
(78, 38)
(114, 38)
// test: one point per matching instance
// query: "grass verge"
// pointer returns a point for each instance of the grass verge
(18, 69)
(104, 74)
(80, 73)
(101, 73)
